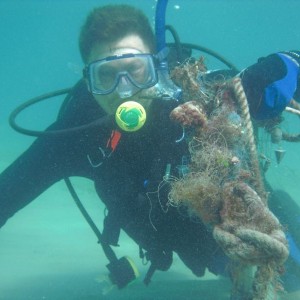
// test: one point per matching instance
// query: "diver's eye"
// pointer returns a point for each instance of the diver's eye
(106, 77)
(137, 71)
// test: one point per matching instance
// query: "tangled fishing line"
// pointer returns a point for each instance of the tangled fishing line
(224, 186)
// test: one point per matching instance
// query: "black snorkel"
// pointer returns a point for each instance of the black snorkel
(166, 87)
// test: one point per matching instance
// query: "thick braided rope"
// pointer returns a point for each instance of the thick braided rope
(268, 246)
(243, 103)
(263, 288)
(250, 246)
(246, 243)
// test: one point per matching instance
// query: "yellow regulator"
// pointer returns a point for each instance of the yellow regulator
(130, 116)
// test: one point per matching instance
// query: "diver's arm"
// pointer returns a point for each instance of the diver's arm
(49, 159)
(270, 85)
(43, 164)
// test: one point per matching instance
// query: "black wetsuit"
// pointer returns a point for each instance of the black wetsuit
(123, 167)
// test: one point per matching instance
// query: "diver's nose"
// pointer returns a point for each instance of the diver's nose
(124, 81)
(125, 88)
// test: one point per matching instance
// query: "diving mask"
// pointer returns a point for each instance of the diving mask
(125, 73)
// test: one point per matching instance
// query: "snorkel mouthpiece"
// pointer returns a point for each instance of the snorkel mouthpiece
(130, 116)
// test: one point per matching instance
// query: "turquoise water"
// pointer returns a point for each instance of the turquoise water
(47, 250)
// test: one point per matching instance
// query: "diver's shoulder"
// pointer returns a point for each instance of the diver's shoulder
(80, 105)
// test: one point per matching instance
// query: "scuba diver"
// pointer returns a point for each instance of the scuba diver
(125, 75)
(117, 45)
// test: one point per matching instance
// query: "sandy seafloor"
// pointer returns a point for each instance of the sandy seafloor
(47, 250)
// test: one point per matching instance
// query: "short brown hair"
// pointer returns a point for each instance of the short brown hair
(112, 22)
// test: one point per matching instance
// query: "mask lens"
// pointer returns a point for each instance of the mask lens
(104, 75)
(139, 71)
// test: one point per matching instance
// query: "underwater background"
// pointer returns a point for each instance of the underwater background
(47, 250)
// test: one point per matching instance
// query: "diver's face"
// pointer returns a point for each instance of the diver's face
(129, 44)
